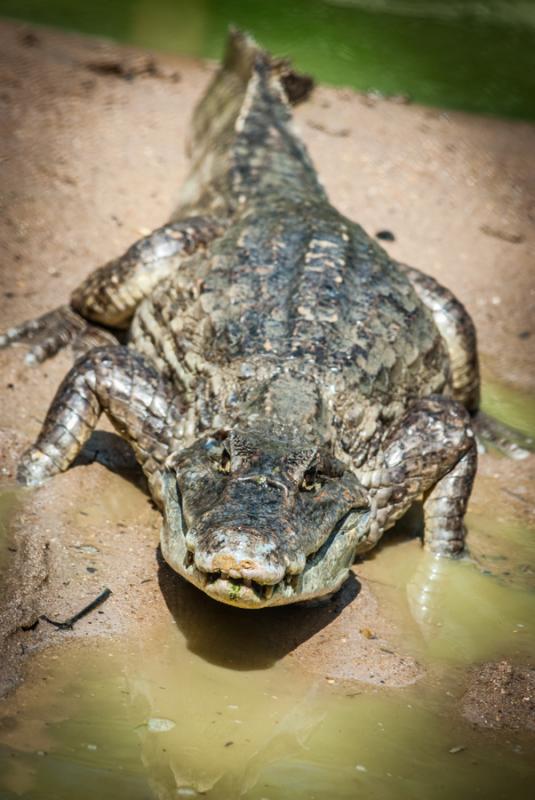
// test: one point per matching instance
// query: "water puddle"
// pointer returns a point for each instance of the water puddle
(512, 406)
(158, 721)
(154, 717)
(455, 613)
(196, 705)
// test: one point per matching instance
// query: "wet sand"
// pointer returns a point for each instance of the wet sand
(93, 158)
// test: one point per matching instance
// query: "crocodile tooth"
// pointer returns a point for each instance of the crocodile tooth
(268, 592)
(202, 577)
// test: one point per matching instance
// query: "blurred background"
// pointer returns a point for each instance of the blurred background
(476, 55)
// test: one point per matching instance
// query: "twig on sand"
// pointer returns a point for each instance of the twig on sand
(68, 624)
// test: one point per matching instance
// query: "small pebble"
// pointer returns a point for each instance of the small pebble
(385, 236)
(87, 548)
(160, 724)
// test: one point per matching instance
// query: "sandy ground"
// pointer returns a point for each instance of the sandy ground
(92, 158)
(501, 695)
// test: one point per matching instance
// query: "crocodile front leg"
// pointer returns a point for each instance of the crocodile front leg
(142, 406)
(110, 295)
(429, 455)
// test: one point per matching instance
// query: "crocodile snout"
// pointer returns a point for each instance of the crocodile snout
(240, 555)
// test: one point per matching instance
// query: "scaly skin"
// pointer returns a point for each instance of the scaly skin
(288, 389)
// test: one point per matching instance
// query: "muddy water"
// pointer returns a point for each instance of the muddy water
(196, 707)
(510, 405)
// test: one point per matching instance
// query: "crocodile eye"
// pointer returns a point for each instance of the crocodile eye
(224, 464)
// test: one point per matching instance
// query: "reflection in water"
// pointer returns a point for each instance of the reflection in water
(237, 725)
(466, 616)
(422, 594)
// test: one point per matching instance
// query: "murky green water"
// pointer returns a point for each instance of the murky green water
(468, 54)
(512, 406)
(159, 722)
(203, 705)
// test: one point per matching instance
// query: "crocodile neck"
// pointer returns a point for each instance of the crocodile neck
(288, 401)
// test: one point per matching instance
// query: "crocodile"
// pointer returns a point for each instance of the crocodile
(288, 389)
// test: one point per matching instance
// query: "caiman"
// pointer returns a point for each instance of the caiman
(289, 390)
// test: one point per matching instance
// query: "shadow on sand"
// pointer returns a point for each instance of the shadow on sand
(239, 639)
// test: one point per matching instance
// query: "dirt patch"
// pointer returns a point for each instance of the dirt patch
(93, 157)
(501, 696)
(71, 540)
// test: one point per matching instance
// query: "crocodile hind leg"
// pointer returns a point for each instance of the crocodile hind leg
(458, 332)
(53, 331)
(430, 455)
(142, 406)
(110, 295)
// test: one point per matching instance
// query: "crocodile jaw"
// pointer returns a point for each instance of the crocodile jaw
(324, 573)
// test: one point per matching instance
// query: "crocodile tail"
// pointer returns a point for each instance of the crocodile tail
(215, 116)
(249, 97)
(243, 53)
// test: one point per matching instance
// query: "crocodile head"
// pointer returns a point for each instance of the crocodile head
(255, 520)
